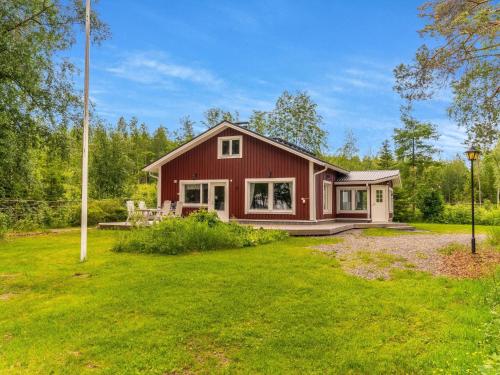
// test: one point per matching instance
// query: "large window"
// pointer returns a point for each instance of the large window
(352, 199)
(345, 200)
(270, 196)
(327, 197)
(229, 147)
(361, 203)
(195, 193)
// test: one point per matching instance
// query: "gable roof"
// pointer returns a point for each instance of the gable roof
(369, 176)
(155, 165)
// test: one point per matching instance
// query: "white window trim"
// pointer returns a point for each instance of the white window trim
(329, 209)
(229, 138)
(353, 190)
(199, 182)
(270, 181)
(390, 200)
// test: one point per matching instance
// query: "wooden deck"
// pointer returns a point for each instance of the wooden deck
(297, 229)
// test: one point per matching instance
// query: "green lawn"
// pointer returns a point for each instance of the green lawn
(429, 227)
(279, 308)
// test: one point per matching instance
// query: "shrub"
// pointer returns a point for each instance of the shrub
(494, 236)
(200, 231)
(461, 214)
(4, 224)
(432, 206)
(100, 211)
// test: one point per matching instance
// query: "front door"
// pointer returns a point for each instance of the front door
(379, 203)
(218, 200)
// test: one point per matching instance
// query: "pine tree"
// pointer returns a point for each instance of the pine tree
(385, 158)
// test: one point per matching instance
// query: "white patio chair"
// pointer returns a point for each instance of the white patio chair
(165, 211)
(130, 210)
(178, 209)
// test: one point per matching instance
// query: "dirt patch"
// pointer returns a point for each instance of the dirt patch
(82, 275)
(6, 296)
(208, 354)
(375, 257)
(466, 265)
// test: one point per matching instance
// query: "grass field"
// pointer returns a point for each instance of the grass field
(428, 227)
(278, 308)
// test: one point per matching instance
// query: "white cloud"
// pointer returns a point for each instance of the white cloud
(155, 68)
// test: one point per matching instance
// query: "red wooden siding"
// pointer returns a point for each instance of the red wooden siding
(260, 160)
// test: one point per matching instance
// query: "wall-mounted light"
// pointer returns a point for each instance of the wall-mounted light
(270, 174)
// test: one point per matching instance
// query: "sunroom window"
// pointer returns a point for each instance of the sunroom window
(270, 196)
(196, 193)
(353, 199)
(229, 147)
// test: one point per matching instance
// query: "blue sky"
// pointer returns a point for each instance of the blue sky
(168, 59)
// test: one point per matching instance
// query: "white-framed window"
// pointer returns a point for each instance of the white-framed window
(230, 147)
(379, 196)
(270, 195)
(352, 199)
(194, 193)
(327, 197)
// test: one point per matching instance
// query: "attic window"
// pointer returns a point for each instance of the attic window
(230, 147)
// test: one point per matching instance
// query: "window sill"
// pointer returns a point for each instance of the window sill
(267, 212)
(195, 204)
(229, 157)
(353, 212)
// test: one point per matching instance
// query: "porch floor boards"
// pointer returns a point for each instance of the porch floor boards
(300, 229)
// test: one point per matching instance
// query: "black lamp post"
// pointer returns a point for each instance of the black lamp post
(472, 154)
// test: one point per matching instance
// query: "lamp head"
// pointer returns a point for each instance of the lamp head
(472, 153)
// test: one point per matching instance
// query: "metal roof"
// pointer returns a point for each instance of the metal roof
(362, 176)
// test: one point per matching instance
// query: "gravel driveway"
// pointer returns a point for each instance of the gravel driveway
(374, 257)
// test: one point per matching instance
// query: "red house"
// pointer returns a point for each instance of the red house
(249, 177)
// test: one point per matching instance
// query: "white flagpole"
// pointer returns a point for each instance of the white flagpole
(85, 156)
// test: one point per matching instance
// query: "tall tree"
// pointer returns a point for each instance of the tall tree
(349, 148)
(186, 131)
(385, 158)
(36, 86)
(259, 122)
(413, 146)
(295, 119)
(464, 56)
(214, 116)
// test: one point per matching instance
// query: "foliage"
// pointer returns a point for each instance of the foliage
(403, 210)
(146, 193)
(4, 224)
(465, 57)
(200, 231)
(37, 96)
(214, 116)
(349, 149)
(461, 214)
(432, 206)
(385, 158)
(494, 236)
(294, 119)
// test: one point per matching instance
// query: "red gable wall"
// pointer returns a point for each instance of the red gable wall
(260, 160)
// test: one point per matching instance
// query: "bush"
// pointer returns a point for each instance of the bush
(200, 231)
(494, 236)
(432, 206)
(100, 211)
(4, 224)
(461, 214)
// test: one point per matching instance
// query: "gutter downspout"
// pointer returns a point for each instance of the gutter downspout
(313, 200)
